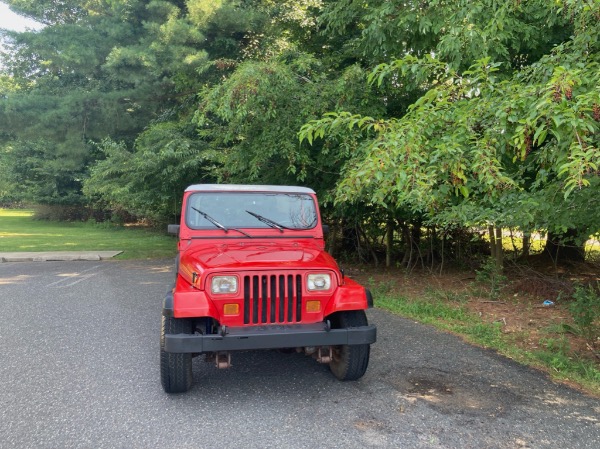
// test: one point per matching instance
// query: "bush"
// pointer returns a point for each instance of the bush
(60, 213)
(585, 309)
(56, 212)
(491, 275)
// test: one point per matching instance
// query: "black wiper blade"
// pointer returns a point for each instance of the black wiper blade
(267, 221)
(211, 219)
(243, 232)
(219, 225)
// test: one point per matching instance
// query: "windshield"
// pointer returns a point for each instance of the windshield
(251, 210)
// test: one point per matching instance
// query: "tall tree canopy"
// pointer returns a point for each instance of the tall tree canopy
(97, 70)
(456, 113)
(510, 139)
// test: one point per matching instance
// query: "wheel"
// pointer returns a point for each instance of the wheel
(175, 368)
(349, 362)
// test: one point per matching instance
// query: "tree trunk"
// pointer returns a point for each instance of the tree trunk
(332, 239)
(496, 249)
(526, 244)
(492, 242)
(499, 249)
(389, 242)
(411, 235)
(362, 235)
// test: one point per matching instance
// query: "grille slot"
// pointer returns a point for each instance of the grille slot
(272, 298)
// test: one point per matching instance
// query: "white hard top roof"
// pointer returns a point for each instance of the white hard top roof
(246, 188)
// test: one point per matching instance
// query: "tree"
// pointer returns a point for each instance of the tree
(170, 154)
(475, 113)
(488, 144)
(258, 89)
(96, 70)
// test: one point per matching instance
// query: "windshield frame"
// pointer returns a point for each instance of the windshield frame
(238, 203)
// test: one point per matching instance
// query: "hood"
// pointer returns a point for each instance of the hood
(246, 256)
(253, 256)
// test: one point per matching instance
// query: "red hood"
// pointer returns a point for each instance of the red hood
(253, 256)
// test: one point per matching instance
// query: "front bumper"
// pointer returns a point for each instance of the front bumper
(270, 337)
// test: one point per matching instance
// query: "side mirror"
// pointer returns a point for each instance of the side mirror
(325, 229)
(173, 229)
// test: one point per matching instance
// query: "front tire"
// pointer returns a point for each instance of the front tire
(175, 368)
(349, 362)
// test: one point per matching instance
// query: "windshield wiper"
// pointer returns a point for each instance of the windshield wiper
(268, 221)
(219, 225)
(211, 219)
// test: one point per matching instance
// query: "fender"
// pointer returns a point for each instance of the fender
(189, 302)
(349, 296)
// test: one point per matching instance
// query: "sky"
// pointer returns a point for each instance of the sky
(11, 21)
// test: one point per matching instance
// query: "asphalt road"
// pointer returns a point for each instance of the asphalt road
(79, 369)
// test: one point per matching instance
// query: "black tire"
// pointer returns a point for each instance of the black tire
(349, 362)
(175, 368)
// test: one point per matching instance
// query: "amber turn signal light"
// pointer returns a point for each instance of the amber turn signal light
(313, 306)
(231, 309)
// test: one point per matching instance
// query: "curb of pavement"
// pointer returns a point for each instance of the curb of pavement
(52, 256)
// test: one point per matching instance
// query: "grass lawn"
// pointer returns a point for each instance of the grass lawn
(19, 232)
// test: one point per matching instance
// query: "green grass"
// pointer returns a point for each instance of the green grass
(453, 318)
(20, 232)
(553, 354)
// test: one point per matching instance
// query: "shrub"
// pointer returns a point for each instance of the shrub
(57, 212)
(585, 310)
(490, 275)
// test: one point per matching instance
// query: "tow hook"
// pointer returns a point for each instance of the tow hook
(324, 354)
(223, 360)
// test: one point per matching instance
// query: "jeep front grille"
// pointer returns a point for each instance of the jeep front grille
(272, 298)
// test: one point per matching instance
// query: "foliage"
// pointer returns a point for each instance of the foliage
(37, 171)
(491, 276)
(472, 113)
(458, 32)
(253, 118)
(148, 180)
(495, 143)
(585, 309)
(96, 70)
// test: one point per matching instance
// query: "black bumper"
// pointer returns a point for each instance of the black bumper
(270, 337)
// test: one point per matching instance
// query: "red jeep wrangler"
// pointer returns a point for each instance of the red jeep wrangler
(252, 273)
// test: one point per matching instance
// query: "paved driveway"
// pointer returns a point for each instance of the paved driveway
(79, 368)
